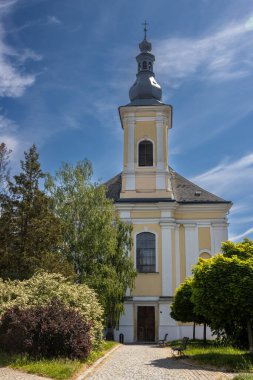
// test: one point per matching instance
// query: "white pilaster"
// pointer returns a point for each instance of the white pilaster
(160, 142)
(219, 234)
(166, 259)
(130, 175)
(160, 175)
(177, 255)
(191, 247)
(160, 181)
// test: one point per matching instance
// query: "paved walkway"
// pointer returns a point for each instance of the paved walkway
(10, 374)
(144, 362)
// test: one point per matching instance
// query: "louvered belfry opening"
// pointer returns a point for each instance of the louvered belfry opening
(145, 153)
(146, 256)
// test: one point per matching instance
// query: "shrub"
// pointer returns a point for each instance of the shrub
(45, 331)
(43, 287)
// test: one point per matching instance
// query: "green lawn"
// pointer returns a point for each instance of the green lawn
(59, 369)
(228, 358)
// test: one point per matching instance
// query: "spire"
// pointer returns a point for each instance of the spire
(145, 29)
(145, 46)
(145, 90)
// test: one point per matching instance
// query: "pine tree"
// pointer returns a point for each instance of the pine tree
(30, 233)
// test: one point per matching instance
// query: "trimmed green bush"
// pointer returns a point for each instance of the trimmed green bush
(45, 331)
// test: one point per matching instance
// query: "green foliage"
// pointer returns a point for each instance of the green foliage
(59, 369)
(49, 331)
(243, 250)
(30, 233)
(223, 289)
(42, 288)
(219, 356)
(94, 241)
(182, 308)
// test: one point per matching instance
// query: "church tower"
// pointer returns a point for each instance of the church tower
(174, 221)
(146, 121)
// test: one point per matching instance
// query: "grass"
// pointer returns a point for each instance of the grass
(243, 377)
(218, 356)
(59, 369)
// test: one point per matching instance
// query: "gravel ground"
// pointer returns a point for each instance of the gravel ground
(143, 362)
(11, 374)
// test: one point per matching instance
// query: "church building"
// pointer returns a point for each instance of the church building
(174, 221)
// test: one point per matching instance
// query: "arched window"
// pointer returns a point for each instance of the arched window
(150, 66)
(145, 153)
(144, 65)
(145, 252)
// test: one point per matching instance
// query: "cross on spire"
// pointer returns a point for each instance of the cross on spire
(145, 29)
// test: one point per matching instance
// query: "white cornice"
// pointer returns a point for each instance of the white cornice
(146, 206)
(203, 207)
(174, 206)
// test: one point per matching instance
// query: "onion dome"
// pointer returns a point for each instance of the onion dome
(145, 90)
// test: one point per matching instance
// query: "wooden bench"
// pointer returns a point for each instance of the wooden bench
(180, 350)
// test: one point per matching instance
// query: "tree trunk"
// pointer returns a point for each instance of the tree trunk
(204, 333)
(194, 331)
(110, 330)
(250, 336)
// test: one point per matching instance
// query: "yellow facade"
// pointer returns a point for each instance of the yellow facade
(204, 238)
(138, 182)
(144, 126)
(148, 283)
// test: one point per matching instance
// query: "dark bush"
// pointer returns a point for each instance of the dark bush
(45, 331)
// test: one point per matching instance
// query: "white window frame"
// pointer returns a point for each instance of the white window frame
(156, 250)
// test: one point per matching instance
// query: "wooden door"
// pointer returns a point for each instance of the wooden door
(146, 324)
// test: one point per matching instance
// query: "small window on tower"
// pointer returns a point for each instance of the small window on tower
(150, 66)
(144, 65)
(145, 153)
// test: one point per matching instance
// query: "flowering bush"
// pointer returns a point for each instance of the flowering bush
(45, 331)
(44, 287)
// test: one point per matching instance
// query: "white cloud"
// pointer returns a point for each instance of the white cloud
(240, 236)
(10, 141)
(5, 5)
(28, 54)
(7, 125)
(223, 55)
(13, 80)
(53, 20)
(228, 177)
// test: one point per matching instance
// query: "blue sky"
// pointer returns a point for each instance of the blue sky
(66, 66)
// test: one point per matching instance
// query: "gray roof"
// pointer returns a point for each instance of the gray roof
(184, 191)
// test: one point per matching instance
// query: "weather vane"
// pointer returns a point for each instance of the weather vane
(145, 29)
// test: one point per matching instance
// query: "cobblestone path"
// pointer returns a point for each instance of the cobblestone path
(10, 374)
(144, 362)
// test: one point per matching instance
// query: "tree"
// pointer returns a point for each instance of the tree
(30, 233)
(95, 240)
(4, 166)
(223, 290)
(182, 308)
